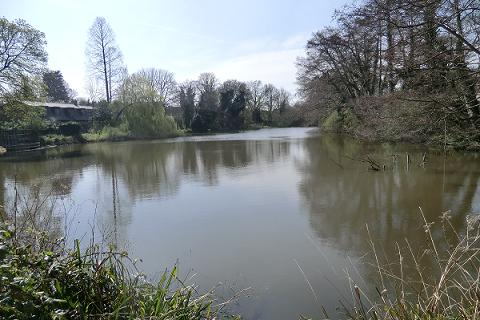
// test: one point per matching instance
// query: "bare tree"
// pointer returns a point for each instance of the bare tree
(103, 55)
(207, 85)
(271, 96)
(22, 53)
(256, 99)
(163, 82)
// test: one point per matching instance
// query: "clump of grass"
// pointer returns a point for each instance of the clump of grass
(108, 134)
(438, 281)
(56, 139)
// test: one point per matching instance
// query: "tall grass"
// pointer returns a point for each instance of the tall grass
(437, 281)
(40, 278)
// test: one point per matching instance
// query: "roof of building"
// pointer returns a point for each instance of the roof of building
(57, 105)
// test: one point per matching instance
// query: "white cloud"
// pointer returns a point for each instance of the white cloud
(276, 67)
(261, 59)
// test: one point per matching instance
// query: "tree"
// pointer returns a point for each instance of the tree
(271, 97)
(163, 82)
(283, 100)
(206, 116)
(57, 88)
(148, 120)
(420, 54)
(103, 56)
(233, 100)
(207, 85)
(138, 88)
(17, 115)
(186, 96)
(256, 99)
(22, 53)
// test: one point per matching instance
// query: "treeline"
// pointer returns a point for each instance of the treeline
(201, 105)
(397, 69)
(146, 103)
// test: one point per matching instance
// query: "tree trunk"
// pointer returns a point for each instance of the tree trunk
(105, 74)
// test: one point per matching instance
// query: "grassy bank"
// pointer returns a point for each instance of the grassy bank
(54, 283)
(42, 278)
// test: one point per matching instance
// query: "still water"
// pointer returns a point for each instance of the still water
(273, 210)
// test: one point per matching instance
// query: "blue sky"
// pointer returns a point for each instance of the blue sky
(244, 40)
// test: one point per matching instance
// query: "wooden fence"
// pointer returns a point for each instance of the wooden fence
(19, 140)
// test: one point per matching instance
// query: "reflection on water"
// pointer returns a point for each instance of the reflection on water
(250, 209)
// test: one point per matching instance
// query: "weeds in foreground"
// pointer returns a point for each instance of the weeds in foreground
(439, 281)
(53, 284)
(42, 279)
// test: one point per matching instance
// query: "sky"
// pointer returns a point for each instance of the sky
(243, 40)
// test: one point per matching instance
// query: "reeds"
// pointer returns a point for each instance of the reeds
(437, 281)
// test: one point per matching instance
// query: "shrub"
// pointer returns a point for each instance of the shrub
(70, 128)
(108, 134)
(17, 115)
(55, 139)
(148, 120)
(102, 115)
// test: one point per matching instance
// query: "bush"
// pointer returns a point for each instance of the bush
(148, 120)
(17, 115)
(108, 134)
(55, 139)
(70, 128)
(102, 115)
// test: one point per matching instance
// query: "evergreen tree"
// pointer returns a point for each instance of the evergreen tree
(57, 89)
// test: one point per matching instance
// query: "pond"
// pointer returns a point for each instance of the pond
(280, 212)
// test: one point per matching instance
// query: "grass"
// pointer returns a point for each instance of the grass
(107, 134)
(56, 139)
(43, 279)
(53, 284)
(449, 288)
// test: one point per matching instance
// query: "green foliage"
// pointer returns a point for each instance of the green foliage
(340, 121)
(108, 134)
(55, 139)
(204, 121)
(187, 103)
(57, 89)
(148, 120)
(70, 128)
(17, 115)
(233, 101)
(22, 53)
(94, 283)
(102, 115)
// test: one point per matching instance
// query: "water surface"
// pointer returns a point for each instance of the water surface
(266, 210)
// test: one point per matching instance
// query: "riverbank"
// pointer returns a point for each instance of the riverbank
(392, 122)
(113, 134)
(41, 278)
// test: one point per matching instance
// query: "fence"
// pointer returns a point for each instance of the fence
(19, 140)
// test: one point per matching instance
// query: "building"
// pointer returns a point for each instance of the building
(64, 112)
